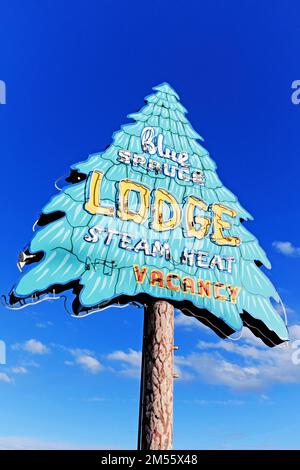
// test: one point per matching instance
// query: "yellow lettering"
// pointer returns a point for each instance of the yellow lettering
(161, 198)
(234, 292)
(219, 225)
(204, 288)
(140, 274)
(192, 219)
(125, 188)
(93, 203)
(188, 284)
(217, 287)
(157, 277)
(169, 282)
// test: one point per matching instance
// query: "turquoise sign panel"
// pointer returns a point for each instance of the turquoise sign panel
(149, 218)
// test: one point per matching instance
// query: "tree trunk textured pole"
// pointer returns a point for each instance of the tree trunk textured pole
(158, 369)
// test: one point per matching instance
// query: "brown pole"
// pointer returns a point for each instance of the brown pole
(156, 407)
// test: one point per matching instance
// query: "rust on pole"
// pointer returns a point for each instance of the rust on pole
(156, 406)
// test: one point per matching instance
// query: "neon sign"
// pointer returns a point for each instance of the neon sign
(149, 217)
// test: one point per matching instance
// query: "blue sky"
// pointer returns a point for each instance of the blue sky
(73, 71)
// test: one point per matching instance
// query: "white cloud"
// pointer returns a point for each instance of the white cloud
(131, 357)
(244, 365)
(77, 351)
(30, 363)
(5, 378)
(264, 397)
(43, 324)
(183, 373)
(33, 443)
(216, 402)
(213, 368)
(187, 322)
(130, 362)
(286, 248)
(33, 346)
(245, 350)
(19, 370)
(84, 358)
(69, 363)
(93, 399)
(288, 310)
(294, 331)
(89, 363)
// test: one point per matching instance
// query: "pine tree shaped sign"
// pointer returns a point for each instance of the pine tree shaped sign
(149, 218)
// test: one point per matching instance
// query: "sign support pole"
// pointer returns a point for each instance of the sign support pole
(156, 397)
